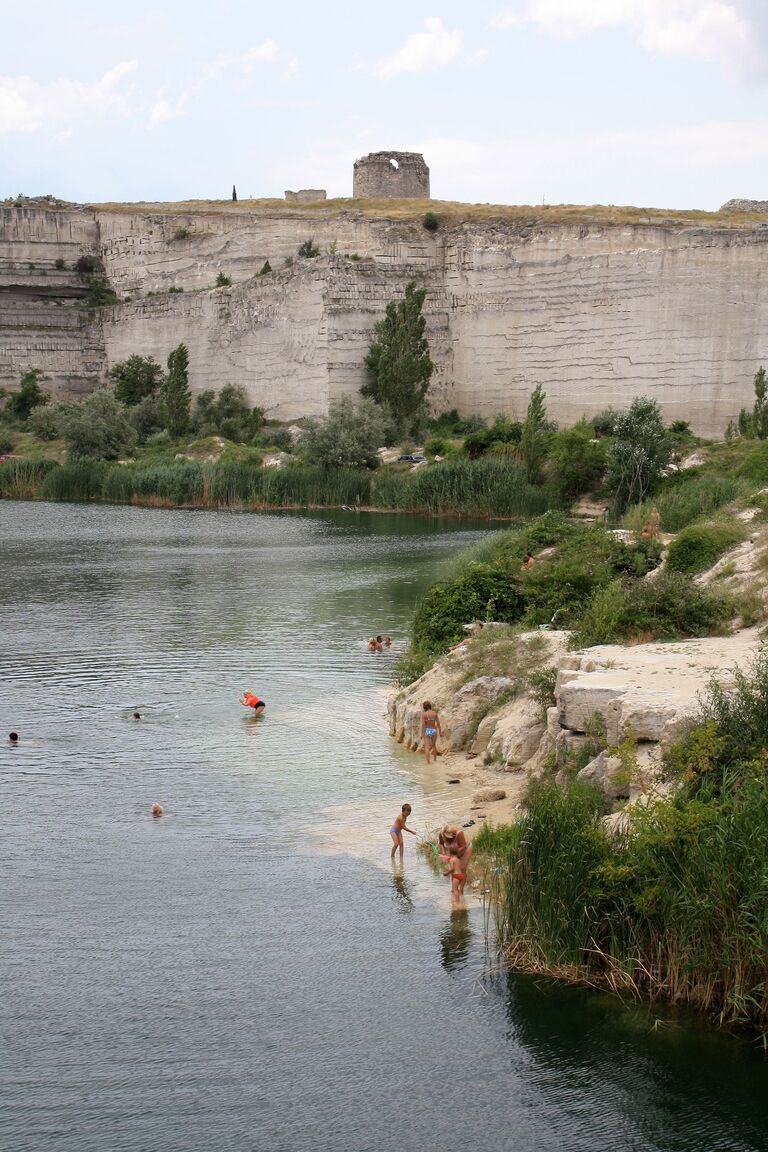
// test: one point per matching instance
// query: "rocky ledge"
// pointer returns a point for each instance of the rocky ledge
(614, 707)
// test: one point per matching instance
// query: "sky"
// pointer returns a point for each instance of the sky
(655, 103)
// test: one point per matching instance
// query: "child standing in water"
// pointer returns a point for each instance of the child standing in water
(396, 831)
(430, 729)
(458, 877)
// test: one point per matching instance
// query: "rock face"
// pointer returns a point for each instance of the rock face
(596, 313)
(616, 708)
(305, 195)
(745, 206)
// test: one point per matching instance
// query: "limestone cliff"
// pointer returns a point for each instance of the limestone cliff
(594, 311)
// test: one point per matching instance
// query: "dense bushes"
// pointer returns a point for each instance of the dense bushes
(701, 545)
(669, 607)
(687, 497)
(676, 905)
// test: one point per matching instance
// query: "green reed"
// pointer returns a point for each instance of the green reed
(676, 906)
(21, 479)
(473, 487)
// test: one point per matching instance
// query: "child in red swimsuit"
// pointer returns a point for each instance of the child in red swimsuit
(458, 878)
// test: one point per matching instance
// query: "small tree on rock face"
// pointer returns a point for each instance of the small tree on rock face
(175, 397)
(754, 424)
(533, 442)
(29, 396)
(349, 436)
(398, 360)
(639, 453)
(135, 378)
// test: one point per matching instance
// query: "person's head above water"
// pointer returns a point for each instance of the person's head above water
(13, 737)
(157, 809)
(137, 715)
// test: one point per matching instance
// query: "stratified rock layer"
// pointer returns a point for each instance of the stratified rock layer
(596, 313)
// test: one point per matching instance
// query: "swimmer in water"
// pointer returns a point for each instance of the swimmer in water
(250, 700)
(137, 715)
(13, 737)
(157, 810)
(399, 826)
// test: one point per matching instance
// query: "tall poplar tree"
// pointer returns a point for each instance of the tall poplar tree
(175, 397)
(533, 441)
(398, 360)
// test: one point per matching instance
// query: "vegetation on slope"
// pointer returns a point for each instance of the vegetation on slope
(676, 904)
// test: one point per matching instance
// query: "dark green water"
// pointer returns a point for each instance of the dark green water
(248, 973)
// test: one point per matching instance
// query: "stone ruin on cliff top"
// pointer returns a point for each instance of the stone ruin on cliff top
(391, 176)
(379, 176)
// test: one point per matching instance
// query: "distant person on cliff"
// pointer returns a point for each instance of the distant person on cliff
(430, 729)
(452, 842)
(250, 700)
(399, 825)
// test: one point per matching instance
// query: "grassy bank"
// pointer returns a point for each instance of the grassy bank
(674, 906)
(582, 578)
(481, 488)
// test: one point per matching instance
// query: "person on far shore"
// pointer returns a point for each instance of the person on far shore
(430, 729)
(530, 561)
(457, 875)
(399, 825)
(13, 737)
(452, 842)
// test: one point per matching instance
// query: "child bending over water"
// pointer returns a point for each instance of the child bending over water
(396, 831)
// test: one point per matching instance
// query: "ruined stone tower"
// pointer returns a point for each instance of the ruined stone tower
(391, 175)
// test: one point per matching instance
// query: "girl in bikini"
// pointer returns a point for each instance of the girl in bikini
(399, 826)
(458, 877)
(430, 729)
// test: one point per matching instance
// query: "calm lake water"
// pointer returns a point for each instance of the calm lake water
(248, 973)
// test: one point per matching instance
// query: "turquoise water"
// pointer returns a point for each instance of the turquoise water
(248, 972)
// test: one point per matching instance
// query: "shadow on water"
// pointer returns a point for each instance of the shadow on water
(402, 889)
(679, 1082)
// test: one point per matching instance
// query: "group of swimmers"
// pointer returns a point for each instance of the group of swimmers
(379, 643)
(454, 850)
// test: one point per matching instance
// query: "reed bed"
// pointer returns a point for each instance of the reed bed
(21, 479)
(482, 488)
(674, 907)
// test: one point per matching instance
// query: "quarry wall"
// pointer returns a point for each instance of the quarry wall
(595, 313)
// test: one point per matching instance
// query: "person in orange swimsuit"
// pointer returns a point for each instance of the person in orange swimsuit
(250, 700)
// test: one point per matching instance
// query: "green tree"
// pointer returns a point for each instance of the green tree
(349, 436)
(223, 281)
(135, 378)
(533, 441)
(577, 460)
(97, 429)
(175, 397)
(398, 360)
(639, 453)
(30, 395)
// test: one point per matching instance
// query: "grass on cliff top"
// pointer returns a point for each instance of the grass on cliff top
(450, 212)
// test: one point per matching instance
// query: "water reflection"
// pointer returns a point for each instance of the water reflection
(455, 940)
(402, 889)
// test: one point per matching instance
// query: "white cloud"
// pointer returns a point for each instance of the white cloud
(426, 51)
(728, 31)
(26, 106)
(599, 167)
(168, 108)
(265, 53)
